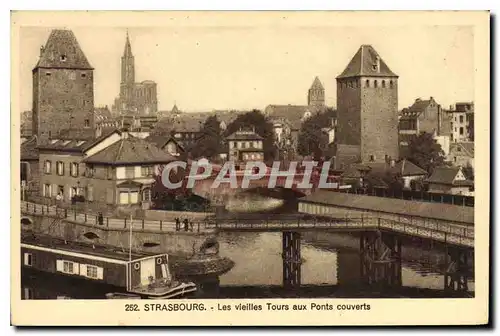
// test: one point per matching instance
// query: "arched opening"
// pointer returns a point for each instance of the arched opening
(375, 83)
(26, 221)
(367, 83)
(383, 83)
(390, 84)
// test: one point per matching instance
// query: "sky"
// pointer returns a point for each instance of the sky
(201, 68)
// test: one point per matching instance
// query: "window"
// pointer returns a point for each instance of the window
(372, 157)
(68, 267)
(375, 83)
(73, 168)
(89, 171)
(243, 145)
(28, 259)
(129, 172)
(390, 83)
(367, 83)
(123, 197)
(461, 131)
(47, 190)
(48, 73)
(146, 195)
(455, 159)
(383, 83)
(73, 191)
(47, 167)
(459, 149)
(87, 122)
(134, 197)
(109, 173)
(147, 171)
(461, 119)
(90, 193)
(60, 190)
(63, 58)
(60, 168)
(84, 75)
(92, 271)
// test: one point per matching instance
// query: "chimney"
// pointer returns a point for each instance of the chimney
(378, 64)
(42, 49)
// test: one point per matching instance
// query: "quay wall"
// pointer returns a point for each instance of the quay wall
(182, 244)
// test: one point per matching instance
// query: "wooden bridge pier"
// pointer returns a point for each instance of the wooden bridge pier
(380, 259)
(457, 269)
(291, 259)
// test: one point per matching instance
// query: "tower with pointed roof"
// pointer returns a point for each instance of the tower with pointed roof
(367, 110)
(128, 73)
(134, 98)
(316, 94)
(63, 87)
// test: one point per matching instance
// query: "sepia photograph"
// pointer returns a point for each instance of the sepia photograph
(264, 162)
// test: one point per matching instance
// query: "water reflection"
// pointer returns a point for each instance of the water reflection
(327, 271)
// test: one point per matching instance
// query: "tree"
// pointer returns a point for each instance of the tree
(261, 125)
(209, 143)
(312, 140)
(425, 152)
(386, 179)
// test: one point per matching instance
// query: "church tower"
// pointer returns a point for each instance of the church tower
(127, 77)
(63, 87)
(316, 94)
(367, 109)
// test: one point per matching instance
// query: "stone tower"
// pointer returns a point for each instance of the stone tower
(316, 94)
(63, 87)
(127, 84)
(367, 109)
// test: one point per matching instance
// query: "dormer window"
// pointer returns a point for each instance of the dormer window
(374, 67)
(63, 58)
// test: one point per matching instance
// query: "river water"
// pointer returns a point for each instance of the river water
(329, 266)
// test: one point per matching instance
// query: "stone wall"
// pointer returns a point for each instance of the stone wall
(175, 243)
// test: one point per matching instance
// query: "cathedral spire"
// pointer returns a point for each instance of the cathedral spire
(128, 49)
(128, 66)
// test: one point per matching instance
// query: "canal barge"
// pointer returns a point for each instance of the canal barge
(136, 273)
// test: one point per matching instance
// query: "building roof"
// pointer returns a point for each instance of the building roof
(102, 113)
(75, 144)
(403, 167)
(244, 135)
(438, 211)
(62, 51)
(29, 150)
(363, 63)
(447, 175)
(161, 141)
(130, 150)
(193, 121)
(316, 85)
(468, 147)
(292, 114)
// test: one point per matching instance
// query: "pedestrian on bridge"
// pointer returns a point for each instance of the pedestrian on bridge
(186, 225)
(177, 224)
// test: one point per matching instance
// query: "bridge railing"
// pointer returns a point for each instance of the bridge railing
(108, 222)
(457, 236)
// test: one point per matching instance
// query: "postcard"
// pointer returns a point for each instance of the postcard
(250, 168)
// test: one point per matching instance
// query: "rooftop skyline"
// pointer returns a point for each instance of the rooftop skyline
(205, 68)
